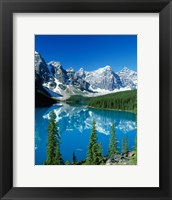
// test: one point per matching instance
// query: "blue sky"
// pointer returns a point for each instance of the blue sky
(89, 51)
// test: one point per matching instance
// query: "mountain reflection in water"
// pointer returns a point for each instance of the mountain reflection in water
(75, 123)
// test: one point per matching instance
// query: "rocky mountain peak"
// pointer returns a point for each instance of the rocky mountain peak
(55, 64)
(104, 69)
(107, 67)
(80, 73)
(125, 69)
(70, 69)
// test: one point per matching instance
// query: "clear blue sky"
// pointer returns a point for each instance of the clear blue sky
(89, 51)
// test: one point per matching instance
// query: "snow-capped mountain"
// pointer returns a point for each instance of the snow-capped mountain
(103, 78)
(53, 78)
(128, 78)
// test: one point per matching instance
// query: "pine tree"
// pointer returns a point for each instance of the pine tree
(127, 149)
(93, 140)
(125, 144)
(74, 161)
(113, 149)
(57, 158)
(53, 145)
(93, 154)
(100, 155)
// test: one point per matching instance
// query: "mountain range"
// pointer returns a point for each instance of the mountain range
(54, 82)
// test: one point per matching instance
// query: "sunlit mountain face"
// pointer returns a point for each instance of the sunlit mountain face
(61, 84)
(74, 123)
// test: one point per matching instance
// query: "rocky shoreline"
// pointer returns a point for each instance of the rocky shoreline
(127, 158)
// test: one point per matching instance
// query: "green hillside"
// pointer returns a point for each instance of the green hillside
(126, 100)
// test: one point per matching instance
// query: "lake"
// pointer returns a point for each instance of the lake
(75, 124)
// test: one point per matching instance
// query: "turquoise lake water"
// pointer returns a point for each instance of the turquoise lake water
(75, 123)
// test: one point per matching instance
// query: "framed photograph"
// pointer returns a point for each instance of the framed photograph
(85, 99)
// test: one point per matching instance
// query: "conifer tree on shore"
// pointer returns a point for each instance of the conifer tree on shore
(100, 155)
(125, 144)
(94, 154)
(53, 146)
(113, 149)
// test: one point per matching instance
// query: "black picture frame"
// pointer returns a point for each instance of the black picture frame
(7, 8)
